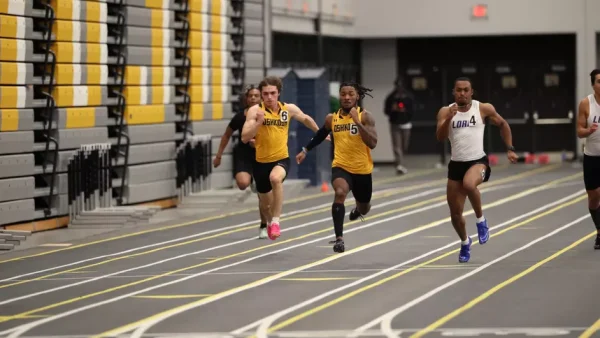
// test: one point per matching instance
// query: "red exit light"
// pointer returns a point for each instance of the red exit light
(479, 11)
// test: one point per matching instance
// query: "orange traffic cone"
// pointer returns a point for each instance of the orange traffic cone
(324, 187)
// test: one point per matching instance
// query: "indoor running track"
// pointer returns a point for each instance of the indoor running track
(399, 277)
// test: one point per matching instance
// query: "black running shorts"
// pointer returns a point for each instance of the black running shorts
(591, 172)
(262, 171)
(243, 160)
(457, 170)
(360, 185)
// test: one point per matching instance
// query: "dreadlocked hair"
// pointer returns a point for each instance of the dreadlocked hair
(362, 91)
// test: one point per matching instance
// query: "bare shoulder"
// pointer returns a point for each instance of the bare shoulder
(367, 118)
(292, 108)
(585, 102)
(443, 112)
(487, 109)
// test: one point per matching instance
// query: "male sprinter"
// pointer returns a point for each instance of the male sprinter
(463, 124)
(244, 154)
(268, 124)
(587, 125)
(354, 136)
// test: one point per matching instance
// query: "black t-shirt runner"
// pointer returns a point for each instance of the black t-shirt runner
(237, 123)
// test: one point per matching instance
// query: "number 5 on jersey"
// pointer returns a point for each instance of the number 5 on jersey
(353, 129)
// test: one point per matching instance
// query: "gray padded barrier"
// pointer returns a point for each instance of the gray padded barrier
(254, 44)
(23, 118)
(147, 153)
(147, 173)
(99, 114)
(17, 165)
(148, 56)
(151, 133)
(12, 189)
(137, 193)
(73, 138)
(142, 17)
(253, 75)
(253, 27)
(158, 37)
(16, 211)
(16, 142)
(253, 10)
(254, 60)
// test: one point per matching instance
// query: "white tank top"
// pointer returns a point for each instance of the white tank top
(466, 134)
(592, 143)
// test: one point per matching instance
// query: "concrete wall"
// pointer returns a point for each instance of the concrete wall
(378, 22)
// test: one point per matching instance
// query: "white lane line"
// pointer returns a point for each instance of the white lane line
(265, 323)
(145, 324)
(386, 319)
(18, 330)
(220, 229)
(62, 287)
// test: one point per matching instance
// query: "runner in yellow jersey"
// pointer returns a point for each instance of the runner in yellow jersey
(268, 123)
(354, 135)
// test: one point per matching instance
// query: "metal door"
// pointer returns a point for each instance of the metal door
(424, 83)
(553, 108)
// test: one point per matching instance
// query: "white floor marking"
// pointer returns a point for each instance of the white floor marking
(220, 229)
(148, 324)
(93, 279)
(19, 330)
(386, 319)
(265, 323)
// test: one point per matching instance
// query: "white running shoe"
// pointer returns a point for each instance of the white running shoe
(262, 233)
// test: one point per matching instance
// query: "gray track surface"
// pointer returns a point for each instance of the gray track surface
(223, 272)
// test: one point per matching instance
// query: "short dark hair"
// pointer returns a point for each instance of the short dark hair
(463, 78)
(271, 81)
(593, 75)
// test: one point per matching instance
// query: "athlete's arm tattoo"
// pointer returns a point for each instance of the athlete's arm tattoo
(490, 112)
(303, 118)
(250, 126)
(583, 130)
(367, 131)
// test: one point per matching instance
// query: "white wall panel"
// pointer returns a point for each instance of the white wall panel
(394, 18)
(379, 70)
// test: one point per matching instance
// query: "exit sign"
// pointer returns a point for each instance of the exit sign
(479, 12)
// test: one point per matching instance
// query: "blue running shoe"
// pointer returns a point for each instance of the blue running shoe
(465, 252)
(483, 232)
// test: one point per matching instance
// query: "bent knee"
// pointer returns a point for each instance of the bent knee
(364, 208)
(469, 186)
(593, 198)
(340, 192)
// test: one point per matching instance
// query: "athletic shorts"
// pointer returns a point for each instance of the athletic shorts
(591, 172)
(243, 160)
(457, 170)
(262, 171)
(361, 185)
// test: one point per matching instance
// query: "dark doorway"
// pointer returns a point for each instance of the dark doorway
(517, 74)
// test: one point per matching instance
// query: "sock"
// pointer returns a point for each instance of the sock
(263, 225)
(338, 211)
(275, 220)
(481, 219)
(465, 242)
(596, 217)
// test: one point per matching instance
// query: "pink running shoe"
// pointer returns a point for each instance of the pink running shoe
(273, 231)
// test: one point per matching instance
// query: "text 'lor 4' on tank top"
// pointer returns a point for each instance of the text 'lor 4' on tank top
(466, 134)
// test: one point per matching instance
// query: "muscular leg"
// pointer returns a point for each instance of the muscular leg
(243, 179)
(456, 196)
(473, 178)
(594, 207)
(338, 212)
(338, 209)
(363, 191)
(276, 177)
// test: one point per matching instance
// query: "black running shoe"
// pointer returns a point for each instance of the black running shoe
(339, 246)
(597, 244)
(354, 214)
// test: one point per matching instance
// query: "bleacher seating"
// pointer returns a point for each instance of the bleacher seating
(140, 74)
